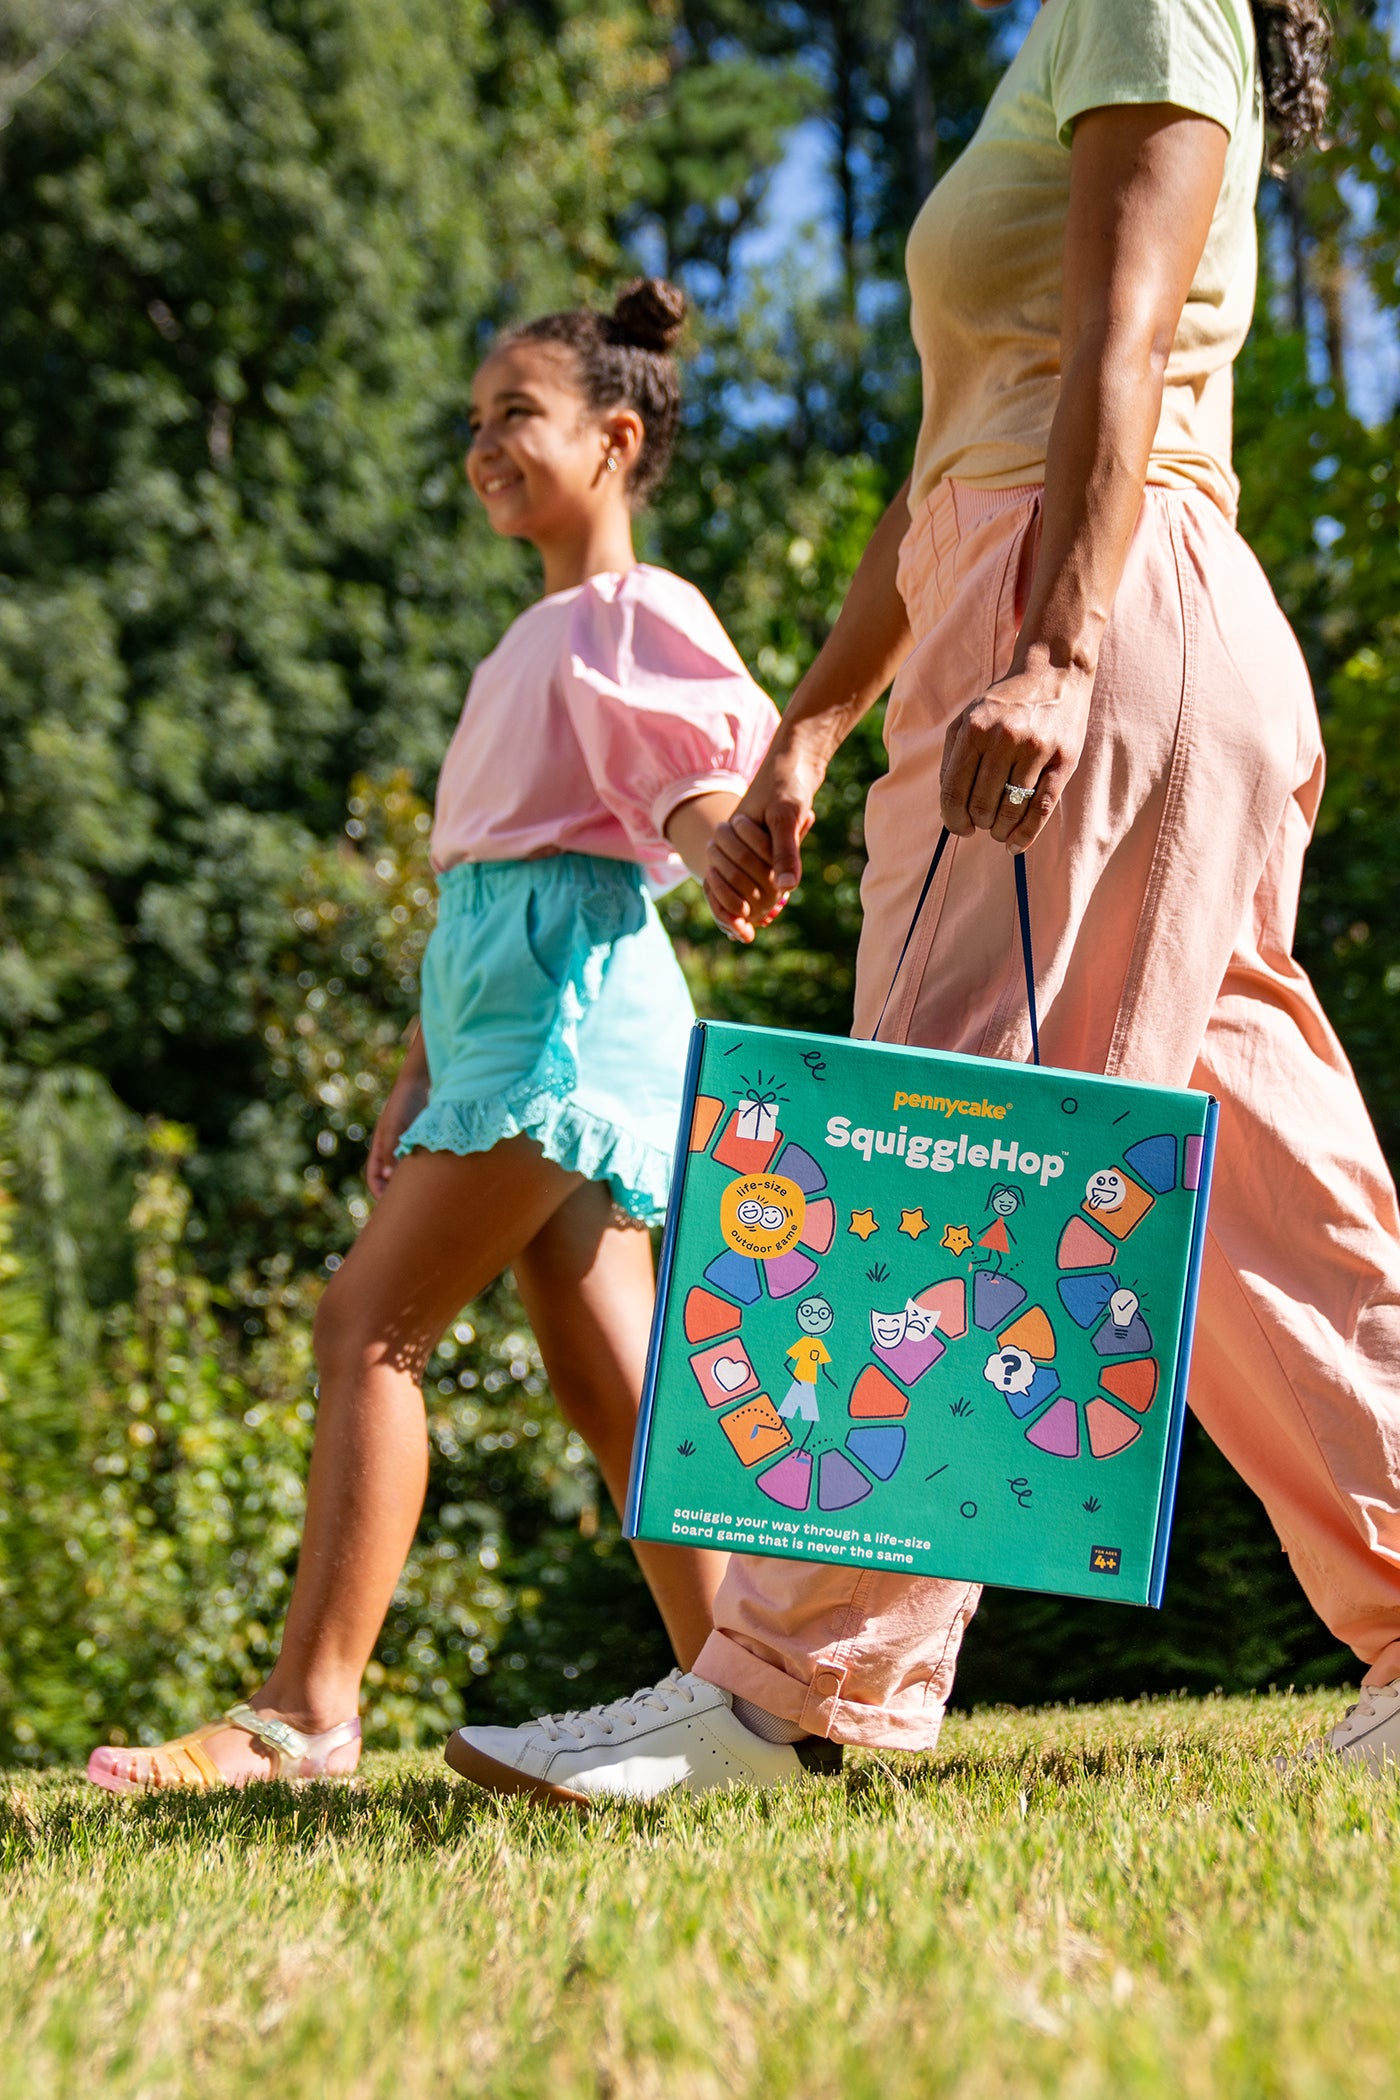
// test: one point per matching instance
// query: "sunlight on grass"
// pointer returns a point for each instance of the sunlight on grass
(1105, 1901)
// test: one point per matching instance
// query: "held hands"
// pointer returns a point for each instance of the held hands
(1025, 733)
(755, 859)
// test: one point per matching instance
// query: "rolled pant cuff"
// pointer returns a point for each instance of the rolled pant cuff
(819, 1706)
(1386, 1667)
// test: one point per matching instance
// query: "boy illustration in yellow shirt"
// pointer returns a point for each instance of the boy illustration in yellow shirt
(809, 1352)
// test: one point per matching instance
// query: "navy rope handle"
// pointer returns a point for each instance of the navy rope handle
(1023, 913)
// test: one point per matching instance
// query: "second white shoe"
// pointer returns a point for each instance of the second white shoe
(1368, 1733)
(680, 1733)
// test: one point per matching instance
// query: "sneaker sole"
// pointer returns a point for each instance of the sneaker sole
(496, 1778)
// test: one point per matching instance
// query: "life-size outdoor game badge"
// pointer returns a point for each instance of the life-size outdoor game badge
(924, 1313)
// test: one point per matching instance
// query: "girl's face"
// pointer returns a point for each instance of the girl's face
(539, 455)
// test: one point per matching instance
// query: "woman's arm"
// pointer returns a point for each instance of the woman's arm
(1144, 182)
(756, 858)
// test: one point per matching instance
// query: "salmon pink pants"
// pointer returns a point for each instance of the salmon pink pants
(1163, 899)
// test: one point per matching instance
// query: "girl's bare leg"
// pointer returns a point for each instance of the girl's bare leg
(588, 1289)
(444, 1229)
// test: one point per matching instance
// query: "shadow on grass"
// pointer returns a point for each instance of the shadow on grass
(418, 1813)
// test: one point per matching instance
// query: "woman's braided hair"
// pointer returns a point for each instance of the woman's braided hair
(1295, 43)
(624, 361)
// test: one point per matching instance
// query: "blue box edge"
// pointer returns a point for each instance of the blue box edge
(1171, 1464)
(640, 1442)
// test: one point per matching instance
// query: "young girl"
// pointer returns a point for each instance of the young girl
(532, 1124)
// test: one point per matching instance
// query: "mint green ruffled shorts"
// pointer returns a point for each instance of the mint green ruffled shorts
(553, 1005)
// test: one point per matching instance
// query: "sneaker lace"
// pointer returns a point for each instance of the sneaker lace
(1374, 1697)
(617, 1713)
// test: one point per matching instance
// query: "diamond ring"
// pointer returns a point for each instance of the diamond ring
(1016, 796)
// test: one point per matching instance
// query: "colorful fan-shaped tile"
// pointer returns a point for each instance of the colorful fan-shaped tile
(736, 1275)
(1135, 1384)
(1085, 1298)
(786, 1273)
(789, 1482)
(799, 1166)
(1135, 1339)
(1031, 1331)
(1110, 1430)
(994, 1299)
(912, 1357)
(875, 1395)
(839, 1483)
(1045, 1383)
(705, 1121)
(1153, 1160)
(949, 1300)
(879, 1447)
(707, 1316)
(1083, 1248)
(1057, 1431)
(819, 1224)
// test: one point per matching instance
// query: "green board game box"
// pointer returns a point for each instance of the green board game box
(925, 1313)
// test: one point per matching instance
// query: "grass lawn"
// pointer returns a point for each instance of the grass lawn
(1103, 1901)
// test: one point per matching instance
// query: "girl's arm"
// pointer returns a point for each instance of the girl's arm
(1144, 182)
(408, 1097)
(756, 858)
(692, 825)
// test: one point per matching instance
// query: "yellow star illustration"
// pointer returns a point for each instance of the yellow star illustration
(956, 1238)
(913, 1222)
(863, 1223)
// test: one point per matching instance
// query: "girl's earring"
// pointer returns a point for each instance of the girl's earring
(610, 462)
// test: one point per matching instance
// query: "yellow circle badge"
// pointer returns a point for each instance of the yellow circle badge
(762, 1214)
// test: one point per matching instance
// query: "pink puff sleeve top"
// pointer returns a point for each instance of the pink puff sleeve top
(601, 710)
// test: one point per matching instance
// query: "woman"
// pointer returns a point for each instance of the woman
(1091, 666)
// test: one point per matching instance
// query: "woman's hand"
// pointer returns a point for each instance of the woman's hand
(755, 860)
(1026, 732)
(408, 1097)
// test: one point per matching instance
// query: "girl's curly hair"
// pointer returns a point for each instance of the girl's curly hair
(624, 360)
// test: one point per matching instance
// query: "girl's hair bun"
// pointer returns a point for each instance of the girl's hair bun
(649, 312)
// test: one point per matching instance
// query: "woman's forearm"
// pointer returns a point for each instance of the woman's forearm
(866, 646)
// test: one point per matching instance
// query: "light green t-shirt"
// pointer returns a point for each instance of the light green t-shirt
(985, 254)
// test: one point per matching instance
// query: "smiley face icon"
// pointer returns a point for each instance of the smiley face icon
(762, 1214)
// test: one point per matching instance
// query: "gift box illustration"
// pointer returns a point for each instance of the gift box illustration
(924, 1312)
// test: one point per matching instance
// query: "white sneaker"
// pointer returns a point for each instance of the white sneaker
(1368, 1733)
(679, 1733)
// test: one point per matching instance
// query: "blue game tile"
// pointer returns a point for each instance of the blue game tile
(1042, 1387)
(1153, 1160)
(839, 1485)
(736, 1276)
(1084, 1297)
(799, 1166)
(994, 1299)
(1133, 1340)
(879, 1448)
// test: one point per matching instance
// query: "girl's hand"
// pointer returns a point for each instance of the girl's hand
(408, 1097)
(755, 860)
(1027, 732)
